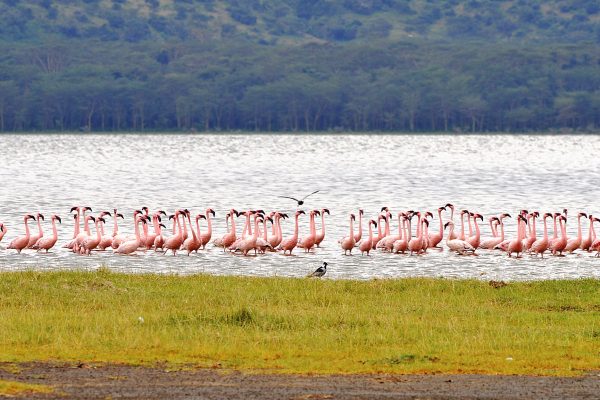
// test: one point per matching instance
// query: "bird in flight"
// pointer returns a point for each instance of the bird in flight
(301, 201)
(319, 272)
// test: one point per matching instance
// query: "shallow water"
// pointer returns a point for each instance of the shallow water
(485, 174)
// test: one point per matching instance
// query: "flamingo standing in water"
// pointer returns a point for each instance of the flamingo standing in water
(527, 243)
(585, 242)
(451, 206)
(262, 244)
(308, 242)
(117, 239)
(21, 242)
(205, 237)
(3, 231)
(516, 245)
(415, 245)
(46, 243)
(130, 246)
(358, 235)
(250, 242)
(277, 237)
(559, 245)
(475, 240)
(194, 242)
(367, 245)
(91, 242)
(436, 238)
(290, 243)
(387, 243)
(401, 245)
(229, 238)
(595, 246)
(457, 245)
(348, 242)
(175, 241)
(321, 235)
(574, 243)
(495, 240)
(541, 245)
(35, 237)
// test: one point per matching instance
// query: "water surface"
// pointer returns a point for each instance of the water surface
(485, 174)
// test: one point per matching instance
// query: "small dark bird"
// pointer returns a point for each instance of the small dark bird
(319, 272)
(300, 202)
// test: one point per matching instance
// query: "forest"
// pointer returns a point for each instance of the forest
(266, 66)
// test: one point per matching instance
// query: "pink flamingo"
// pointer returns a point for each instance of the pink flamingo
(528, 242)
(194, 242)
(205, 237)
(367, 245)
(415, 245)
(130, 246)
(159, 240)
(21, 242)
(308, 242)
(106, 240)
(559, 245)
(358, 235)
(555, 231)
(595, 246)
(401, 245)
(229, 238)
(90, 243)
(290, 243)
(386, 232)
(436, 238)
(46, 243)
(461, 236)
(586, 242)
(175, 241)
(541, 245)
(503, 245)
(250, 243)
(516, 245)
(455, 236)
(117, 239)
(321, 235)
(35, 237)
(574, 243)
(475, 240)
(247, 231)
(3, 231)
(387, 243)
(459, 246)
(262, 244)
(348, 242)
(495, 240)
(276, 238)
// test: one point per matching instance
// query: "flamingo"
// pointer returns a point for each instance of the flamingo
(276, 238)
(457, 245)
(494, 241)
(595, 246)
(401, 245)
(349, 241)
(46, 243)
(159, 240)
(527, 243)
(475, 240)
(387, 243)
(116, 238)
(34, 238)
(90, 243)
(415, 245)
(559, 245)
(290, 243)
(194, 242)
(461, 236)
(503, 245)
(106, 240)
(308, 242)
(205, 237)
(541, 245)
(227, 239)
(516, 245)
(451, 206)
(321, 235)
(367, 245)
(262, 244)
(3, 231)
(436, 238)
(586, 242)
(386, 232)
(21, 242)
(574, 243)
(175, 241)
(358, 235)
(130, 246)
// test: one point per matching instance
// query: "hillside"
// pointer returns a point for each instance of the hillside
(292, 65)
(300, 21)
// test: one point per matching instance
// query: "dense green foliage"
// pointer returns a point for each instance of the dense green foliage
(290, 65)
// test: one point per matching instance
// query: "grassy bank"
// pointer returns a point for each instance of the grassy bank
(10, 388)
(301, 325)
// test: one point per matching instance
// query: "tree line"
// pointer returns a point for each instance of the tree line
(67, 85)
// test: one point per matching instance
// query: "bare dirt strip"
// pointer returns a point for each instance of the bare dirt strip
(84, 381)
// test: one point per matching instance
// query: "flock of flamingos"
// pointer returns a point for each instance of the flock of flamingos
(413, 235)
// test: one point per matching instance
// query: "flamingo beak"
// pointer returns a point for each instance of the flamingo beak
(163, 226)
(59, 220)
(89, 209)
(213, 213)
(41, 216)
(73, 209)
(120, 215)
(327, 211)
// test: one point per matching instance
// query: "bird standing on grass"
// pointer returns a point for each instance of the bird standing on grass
(319, 272)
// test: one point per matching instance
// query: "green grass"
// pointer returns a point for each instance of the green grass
(10, 388)
(302, 325)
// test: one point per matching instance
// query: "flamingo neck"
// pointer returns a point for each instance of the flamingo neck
(441, 223)
(115, 227)
(555, 229)
(209, 224)
(323, 223)
(189, 218)
(545, 229)
(579, 228)
(27, 234)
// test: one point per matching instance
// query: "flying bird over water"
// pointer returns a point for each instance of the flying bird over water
(319, 272)
(301, 201)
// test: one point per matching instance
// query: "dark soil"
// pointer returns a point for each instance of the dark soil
(83, 381)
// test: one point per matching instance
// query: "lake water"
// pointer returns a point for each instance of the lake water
(485, 174)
